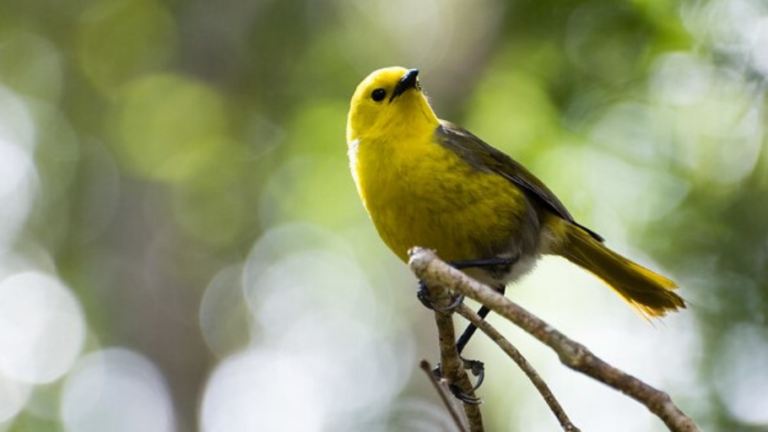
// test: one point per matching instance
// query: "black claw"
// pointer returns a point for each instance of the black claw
(460, 395)
(477, 368)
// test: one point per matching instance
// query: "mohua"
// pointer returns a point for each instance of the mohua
(427, 182)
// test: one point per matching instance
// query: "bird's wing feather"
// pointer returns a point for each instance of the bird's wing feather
(482, 156)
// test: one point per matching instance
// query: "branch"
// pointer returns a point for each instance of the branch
(522, 363)
(444, 396)
(451, 365)
(436, 273)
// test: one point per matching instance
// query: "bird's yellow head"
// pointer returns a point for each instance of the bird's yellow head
(389, 103)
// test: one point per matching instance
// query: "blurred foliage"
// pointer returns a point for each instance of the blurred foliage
(179, 167)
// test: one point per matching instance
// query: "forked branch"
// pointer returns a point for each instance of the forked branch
(437, 275)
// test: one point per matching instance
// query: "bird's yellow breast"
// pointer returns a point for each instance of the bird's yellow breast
(420, 193)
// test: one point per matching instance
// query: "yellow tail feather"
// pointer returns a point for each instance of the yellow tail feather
(647, 291)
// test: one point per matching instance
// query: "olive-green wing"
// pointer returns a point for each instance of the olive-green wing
(482, 156)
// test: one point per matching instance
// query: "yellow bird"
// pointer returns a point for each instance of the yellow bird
(427, 182)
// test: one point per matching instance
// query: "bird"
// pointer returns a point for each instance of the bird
(428, 182)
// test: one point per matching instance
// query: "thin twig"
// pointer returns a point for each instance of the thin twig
(522, 363)
(451, 365)
(444, 396)
(437, 273)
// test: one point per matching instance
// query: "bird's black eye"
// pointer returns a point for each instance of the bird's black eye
(378, 95)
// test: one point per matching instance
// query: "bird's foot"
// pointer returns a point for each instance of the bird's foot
(423, 295)
(478, 370)
(460, 395)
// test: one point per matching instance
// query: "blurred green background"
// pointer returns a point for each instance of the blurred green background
(182, 247)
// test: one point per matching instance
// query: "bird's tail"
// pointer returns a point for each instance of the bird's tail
(647, 291)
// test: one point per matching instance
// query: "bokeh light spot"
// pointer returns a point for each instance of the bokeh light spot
(315, 303)
(116, 390)
(13, 396)
(15, 167)
(224, 318)
(743, 377)
(264, 391)
(18, 176)
(169, 127)
(42, 328)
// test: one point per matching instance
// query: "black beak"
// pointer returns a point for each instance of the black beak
(408, 81)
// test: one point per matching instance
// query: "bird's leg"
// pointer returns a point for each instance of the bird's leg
(483, 311)
(475, 366)
(463, 340)
(481, 263)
